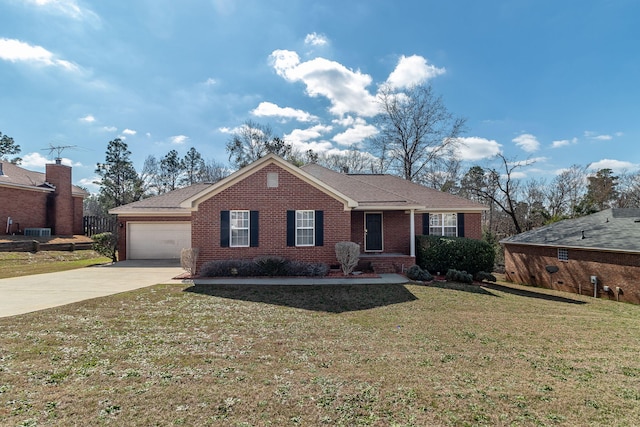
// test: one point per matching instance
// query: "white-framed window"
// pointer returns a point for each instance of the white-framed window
(563, 254)
(239, 228)
(305, 228)
(443, 224)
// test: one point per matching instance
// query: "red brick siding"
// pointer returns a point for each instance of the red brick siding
(27, 208)
(77, 215)
(252, 194)
(63, 205)
(122, 229)
(526, 265)
(473, 225)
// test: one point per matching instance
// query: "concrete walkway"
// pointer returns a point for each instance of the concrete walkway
(20, 295)
(384, 279)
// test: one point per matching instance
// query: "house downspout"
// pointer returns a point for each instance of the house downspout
(412, 233)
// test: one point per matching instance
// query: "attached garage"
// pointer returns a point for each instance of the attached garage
(157, 240)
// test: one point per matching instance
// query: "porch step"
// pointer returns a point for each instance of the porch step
(383, 264)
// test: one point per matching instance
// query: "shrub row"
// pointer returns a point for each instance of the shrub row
(440, 254)
(263, 266)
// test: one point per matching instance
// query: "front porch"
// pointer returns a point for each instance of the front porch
(388, 262)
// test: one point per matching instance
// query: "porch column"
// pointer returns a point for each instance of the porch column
(412, 233)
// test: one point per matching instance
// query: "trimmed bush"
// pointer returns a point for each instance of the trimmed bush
(416, 273)
(271, 265)
(263, 266)
(437, 253)
(300, 268)
(483, 276)
(347, 254)
(106, 244)
(188, 259)
(229, 268)
(458, 276)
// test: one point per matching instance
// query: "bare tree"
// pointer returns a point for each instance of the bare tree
(213, 171)
(629, 190)
(565, 191)
(253, 141)
(416, 131)
(501, 188)
(350, 161)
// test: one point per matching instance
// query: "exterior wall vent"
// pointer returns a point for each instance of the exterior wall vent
(272, 180)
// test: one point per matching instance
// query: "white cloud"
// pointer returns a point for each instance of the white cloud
(69, 8)
(109, 128)
(129, 132)
(412, 70)
(210, 82)
(564, 142)
(356, 134)
(315, 39)
(615, 165)
(37, 161)
(475, 148)
(88, 183)
(297, 137)
(17, 51)
(527, 142)
(598, 137)
(88, 119)
(344, 88)
(178, 139)
(269, 109)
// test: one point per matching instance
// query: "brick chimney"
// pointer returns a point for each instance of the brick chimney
(60, 206)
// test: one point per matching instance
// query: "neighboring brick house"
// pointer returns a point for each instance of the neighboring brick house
(40, 200)
(596, 255)
(272, 207)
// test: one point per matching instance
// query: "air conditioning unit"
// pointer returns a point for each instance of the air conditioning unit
(37, 232)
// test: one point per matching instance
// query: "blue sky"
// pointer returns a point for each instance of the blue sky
(557, 82)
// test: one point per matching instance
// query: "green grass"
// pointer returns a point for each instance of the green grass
(337, 355)
(15, 264)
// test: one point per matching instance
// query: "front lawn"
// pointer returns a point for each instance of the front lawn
(15, 264)
(334, 355)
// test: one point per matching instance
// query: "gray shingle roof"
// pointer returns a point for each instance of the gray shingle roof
(382, 189)
(168, 202)
(13, 175)
(368, 191)
(611, 229)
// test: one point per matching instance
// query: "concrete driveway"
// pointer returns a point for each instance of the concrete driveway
(20, 295)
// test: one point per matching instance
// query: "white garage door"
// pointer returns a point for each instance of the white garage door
(159, 240)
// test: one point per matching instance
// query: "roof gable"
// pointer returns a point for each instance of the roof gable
(239, 175)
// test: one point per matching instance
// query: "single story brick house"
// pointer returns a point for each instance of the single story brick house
(596, 255)
(272, 207)
(35, 200)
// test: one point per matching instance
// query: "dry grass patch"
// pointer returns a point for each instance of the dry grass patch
(343, 355)
(15, 264)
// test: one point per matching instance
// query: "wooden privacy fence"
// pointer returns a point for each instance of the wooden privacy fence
(92, 225)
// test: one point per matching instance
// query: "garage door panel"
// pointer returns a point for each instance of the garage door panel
(158, 240)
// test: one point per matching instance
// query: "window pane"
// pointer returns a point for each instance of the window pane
(434, 220)
(450, 220)
(304, 237)
(450, 231)
(240, 237)
(435, 231)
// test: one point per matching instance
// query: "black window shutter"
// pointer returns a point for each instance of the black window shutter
(291, 228)
(425, 224)
(460, 225)
(253, 229)
(224, 229)
(319, 228)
